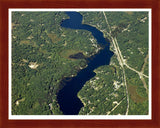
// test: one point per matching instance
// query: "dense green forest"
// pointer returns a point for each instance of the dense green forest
(40, 60)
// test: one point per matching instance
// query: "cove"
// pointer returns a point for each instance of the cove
(67, 98)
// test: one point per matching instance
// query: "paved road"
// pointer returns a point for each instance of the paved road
(120, 59)
(122, 62)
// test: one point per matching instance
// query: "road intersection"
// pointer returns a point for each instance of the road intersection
(123, 63)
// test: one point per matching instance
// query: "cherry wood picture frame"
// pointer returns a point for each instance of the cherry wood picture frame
(4, 42)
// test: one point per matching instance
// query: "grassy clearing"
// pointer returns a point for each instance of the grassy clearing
(28, 42)
(133, 94)
(67, 53)
(53, 37)
(130, 13)
(25, 42)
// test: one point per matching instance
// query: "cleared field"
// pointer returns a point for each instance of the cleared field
(67, 53)
(133, 94)
(53, 37)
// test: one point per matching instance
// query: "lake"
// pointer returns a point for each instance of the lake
(67, 98)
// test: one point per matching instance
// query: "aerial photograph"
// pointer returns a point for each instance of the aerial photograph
(80, 62)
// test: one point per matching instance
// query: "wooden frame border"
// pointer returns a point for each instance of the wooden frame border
(6, 4)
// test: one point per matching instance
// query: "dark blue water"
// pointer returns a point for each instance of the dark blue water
(67, 98)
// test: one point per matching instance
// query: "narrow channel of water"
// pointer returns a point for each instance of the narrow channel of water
(67, 98)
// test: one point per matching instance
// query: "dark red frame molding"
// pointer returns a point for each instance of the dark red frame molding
(6, 4)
